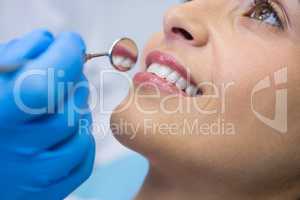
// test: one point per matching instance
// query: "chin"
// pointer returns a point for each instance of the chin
(126, 124)
(136, 128)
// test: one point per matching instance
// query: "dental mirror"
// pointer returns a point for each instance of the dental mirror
(123, 54)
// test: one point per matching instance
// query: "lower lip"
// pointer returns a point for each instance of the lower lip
(149, 80)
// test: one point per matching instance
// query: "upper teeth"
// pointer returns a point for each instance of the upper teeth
(122, 61)
(173, 77)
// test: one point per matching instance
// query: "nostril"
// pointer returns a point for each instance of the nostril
(183, 33)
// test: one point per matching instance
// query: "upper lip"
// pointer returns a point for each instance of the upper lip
(119, 50)
(171, 62)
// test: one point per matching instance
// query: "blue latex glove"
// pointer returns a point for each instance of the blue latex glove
(43, 155)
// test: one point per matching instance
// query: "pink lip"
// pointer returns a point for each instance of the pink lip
(150, 80)
(170, 61)
(119, 50)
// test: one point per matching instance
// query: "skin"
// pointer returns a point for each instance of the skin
(254, 161)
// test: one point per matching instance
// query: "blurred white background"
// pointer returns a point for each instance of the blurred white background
(99, 22)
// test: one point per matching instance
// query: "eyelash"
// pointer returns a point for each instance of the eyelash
(267, 11)
(268, 6)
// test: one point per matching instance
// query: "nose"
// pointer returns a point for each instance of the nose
(180, 23)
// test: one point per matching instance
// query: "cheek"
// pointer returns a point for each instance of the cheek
(247, 63)
(263, 63)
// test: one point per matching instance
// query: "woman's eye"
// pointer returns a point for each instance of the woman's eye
(265, 11)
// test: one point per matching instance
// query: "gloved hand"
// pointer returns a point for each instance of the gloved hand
(46, 148)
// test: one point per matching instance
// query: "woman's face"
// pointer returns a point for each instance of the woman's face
(218, 94)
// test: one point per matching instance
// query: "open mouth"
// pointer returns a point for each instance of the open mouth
(165, 72)
(123, 58)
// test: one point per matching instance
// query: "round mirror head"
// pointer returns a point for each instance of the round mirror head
(124, 54)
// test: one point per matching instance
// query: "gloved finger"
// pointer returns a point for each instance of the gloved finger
(60, 67)
(23, 106)
(45, 168)
(18, 51)
(78, 176)
(64, 187)
(45, 132)
(56, 164)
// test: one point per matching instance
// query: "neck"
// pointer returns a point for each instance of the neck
(159, 186)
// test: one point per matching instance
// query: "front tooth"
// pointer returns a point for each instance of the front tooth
(181, 83)
(126, 63)
(191, 90)
(154, 68)
(118, 60)
(173, 77)
(164, 71)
